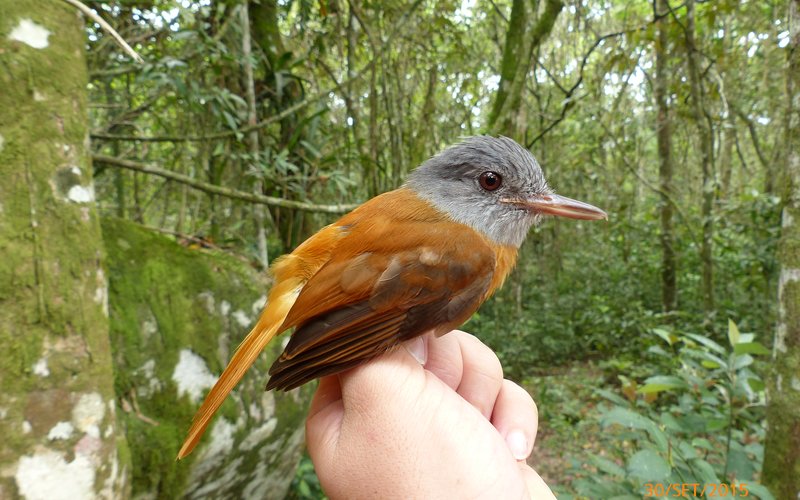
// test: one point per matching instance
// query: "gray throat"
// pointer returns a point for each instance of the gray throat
(503, 225)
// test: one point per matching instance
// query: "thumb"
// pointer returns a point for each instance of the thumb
(324, 422)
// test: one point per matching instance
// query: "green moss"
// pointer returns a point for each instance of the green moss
(51, 280)
(165, 298)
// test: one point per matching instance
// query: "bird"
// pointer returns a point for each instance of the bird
(419, 259)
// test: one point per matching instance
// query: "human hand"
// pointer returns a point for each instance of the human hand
(453, 428)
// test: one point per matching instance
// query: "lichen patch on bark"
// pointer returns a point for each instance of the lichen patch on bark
(191, 375)
(30, 33)
(48, 475)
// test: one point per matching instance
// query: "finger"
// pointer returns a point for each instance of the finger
(482, 377)
(537, 488)
(324, 422)
(516, 418)
(444, 358)
(328, 391)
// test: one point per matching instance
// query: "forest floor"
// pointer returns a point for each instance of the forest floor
(569, 426)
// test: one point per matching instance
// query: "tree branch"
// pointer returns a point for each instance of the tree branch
(751, 127)
(275, 118)
(648, 184)
(107, 27)
(220, 190)
(569, 101)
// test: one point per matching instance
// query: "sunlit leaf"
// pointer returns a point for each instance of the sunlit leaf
(700, 339)
(751, 348)
(733, 333)
(668, 337)
(662, 383)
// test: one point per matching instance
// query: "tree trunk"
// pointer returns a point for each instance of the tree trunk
(706, 163)
(669, 290)
(781, 471)
(726, 155)
(522, 40)
(57, 406)
(259, 211)
(285, 91)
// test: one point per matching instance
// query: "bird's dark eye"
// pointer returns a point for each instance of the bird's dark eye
(490, 180)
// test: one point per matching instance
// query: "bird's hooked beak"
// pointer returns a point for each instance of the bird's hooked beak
(553, 204)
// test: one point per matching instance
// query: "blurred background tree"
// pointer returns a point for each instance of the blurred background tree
(252, 124)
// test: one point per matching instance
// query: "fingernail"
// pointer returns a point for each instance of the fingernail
(518, 444)
(416, 347)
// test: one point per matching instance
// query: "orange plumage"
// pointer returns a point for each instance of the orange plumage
(340, 266)
(398, 266)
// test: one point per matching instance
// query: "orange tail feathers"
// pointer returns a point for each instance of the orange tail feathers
(266, 328)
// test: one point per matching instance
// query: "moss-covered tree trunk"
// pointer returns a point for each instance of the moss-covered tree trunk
(706, 139)
(177, 315)
(523, 38)
(669, 289)
(782, 452)
(57, 407)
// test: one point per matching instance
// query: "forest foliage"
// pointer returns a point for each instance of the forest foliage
(251, 125)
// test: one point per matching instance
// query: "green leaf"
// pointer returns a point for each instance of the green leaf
(658, 351)
(647, 465)
(740, 465)
(614, 398)
(606, 466)
(694, 423)
(751, 348)
(715, 424)
(670, 422)
(632, 420)
(710, 360)
(733, 333)
(668, 337)
(659, 438)
(759, 490)
(700, 339)
(597, 489)
(756, 384)
(654, 388)
(705, 472)
(702, 443)
(661, 383)
(230, 120)
(742, 361)
(686, 450)
(746, 338)
(626, 418)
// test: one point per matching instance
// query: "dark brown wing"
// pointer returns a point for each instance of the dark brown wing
(394, 294)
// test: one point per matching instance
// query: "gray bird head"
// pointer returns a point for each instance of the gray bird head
(495, 186)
